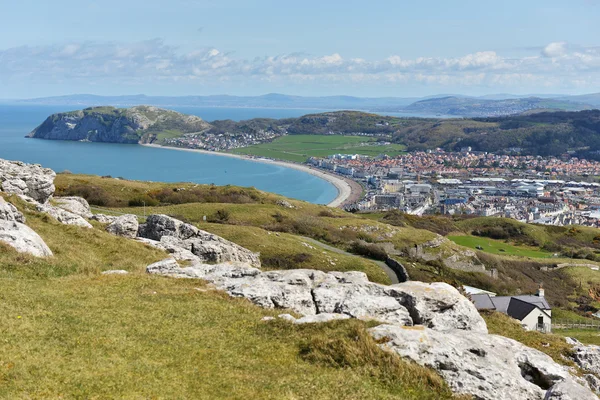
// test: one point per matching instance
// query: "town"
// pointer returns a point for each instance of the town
(541, 190)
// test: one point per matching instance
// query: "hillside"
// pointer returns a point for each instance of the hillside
(478, 107)
(140, 124)
(103, 312)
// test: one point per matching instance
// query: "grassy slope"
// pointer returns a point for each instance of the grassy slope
(496, 246)
(299, 147)
(68, 332)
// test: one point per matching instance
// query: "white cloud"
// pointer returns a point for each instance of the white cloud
(555, 49)
(559, 65)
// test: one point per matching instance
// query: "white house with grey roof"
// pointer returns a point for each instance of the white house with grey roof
(533, 311)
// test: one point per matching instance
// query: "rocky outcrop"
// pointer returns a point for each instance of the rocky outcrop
(27, 179)
(184, 238)
(488, 367)
(63, 216)
(75, 205)
(8, 212)
(124, 225)
(310, 292)
(587, 357)
(109, 124)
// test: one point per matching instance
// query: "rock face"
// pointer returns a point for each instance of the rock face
(124, 225)
(103, 219)
(63, 216)
(488, 367)
(309, 292)
(8, 212)
(75, 205)
(27, 179)
(109, 124)
(186, 239)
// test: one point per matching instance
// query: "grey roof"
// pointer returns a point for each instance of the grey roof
(519, 309)
(501, 303)
(483, 301)
(537, 300)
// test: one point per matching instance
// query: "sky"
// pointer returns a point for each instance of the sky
(363, 48)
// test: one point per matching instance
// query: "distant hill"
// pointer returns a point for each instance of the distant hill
(480, 107)
(448, 105)
(140, 124)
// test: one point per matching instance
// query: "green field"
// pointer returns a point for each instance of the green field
(299, 147)
(499, 247)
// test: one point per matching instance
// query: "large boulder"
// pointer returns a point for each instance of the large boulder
(124, 225)
(587, 357)
(204, 245)
(27, 179)
(23, 239)
(569, 390)
(63, 216)
(487, 367)
(75, 205)
(103, 219)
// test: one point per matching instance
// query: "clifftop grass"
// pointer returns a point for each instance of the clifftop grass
(68, 332)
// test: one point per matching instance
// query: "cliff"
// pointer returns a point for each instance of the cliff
(140, 124)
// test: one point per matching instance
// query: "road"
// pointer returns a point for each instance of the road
(388, 271)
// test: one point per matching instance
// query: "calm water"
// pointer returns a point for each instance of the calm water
(143, 163)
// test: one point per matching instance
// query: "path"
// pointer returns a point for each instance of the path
(388, 271)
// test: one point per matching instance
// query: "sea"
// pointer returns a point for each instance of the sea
(136, 162)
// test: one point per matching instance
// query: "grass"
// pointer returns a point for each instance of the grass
(300, 147)
(586, 336)
(498, 247)
(69, 332)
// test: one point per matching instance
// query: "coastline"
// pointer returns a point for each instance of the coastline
(348, 190)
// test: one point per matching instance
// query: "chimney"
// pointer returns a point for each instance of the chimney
(540, 291)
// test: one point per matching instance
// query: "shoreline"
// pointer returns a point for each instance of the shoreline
(347, 189)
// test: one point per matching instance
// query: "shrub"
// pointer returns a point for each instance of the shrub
(369, 250)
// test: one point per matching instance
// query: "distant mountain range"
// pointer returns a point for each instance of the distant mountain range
(447, 105)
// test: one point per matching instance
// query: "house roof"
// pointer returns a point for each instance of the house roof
(517, 307)
(483, 301)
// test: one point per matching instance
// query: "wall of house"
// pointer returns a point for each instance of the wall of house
(531, 320)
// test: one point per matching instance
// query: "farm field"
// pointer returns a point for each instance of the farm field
(498, 247)
(298, 148)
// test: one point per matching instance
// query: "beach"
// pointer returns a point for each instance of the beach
(348, 190)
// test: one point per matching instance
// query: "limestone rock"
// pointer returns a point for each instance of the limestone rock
(115, 272)
(569, 390)
(8, 212)
(124, 225)
(363, 300)
(587, 357)
(439, 306)
(207, 247)
(75, 205)
(319, 318)
(27, 179)
(103, 219)
(63, 216)
(488, 367)
(176, 252)
(23, 239)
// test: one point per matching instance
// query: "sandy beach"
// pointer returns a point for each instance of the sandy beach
(348, 190)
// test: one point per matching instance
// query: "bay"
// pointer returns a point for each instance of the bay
(152, 164)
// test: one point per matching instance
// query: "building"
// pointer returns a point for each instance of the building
(533, 311)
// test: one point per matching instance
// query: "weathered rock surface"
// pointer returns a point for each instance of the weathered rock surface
(587, 357)
(103, 219)
(165, 244)
(326, 317)
(311, 292)
(75, 205)
(23, 239)
(488, 367)
(27, 179)
(205, 246)
(569, 390)
(64, 216)
(124, 225)
(8, 212)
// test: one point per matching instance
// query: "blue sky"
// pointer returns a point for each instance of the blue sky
(326, 47)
